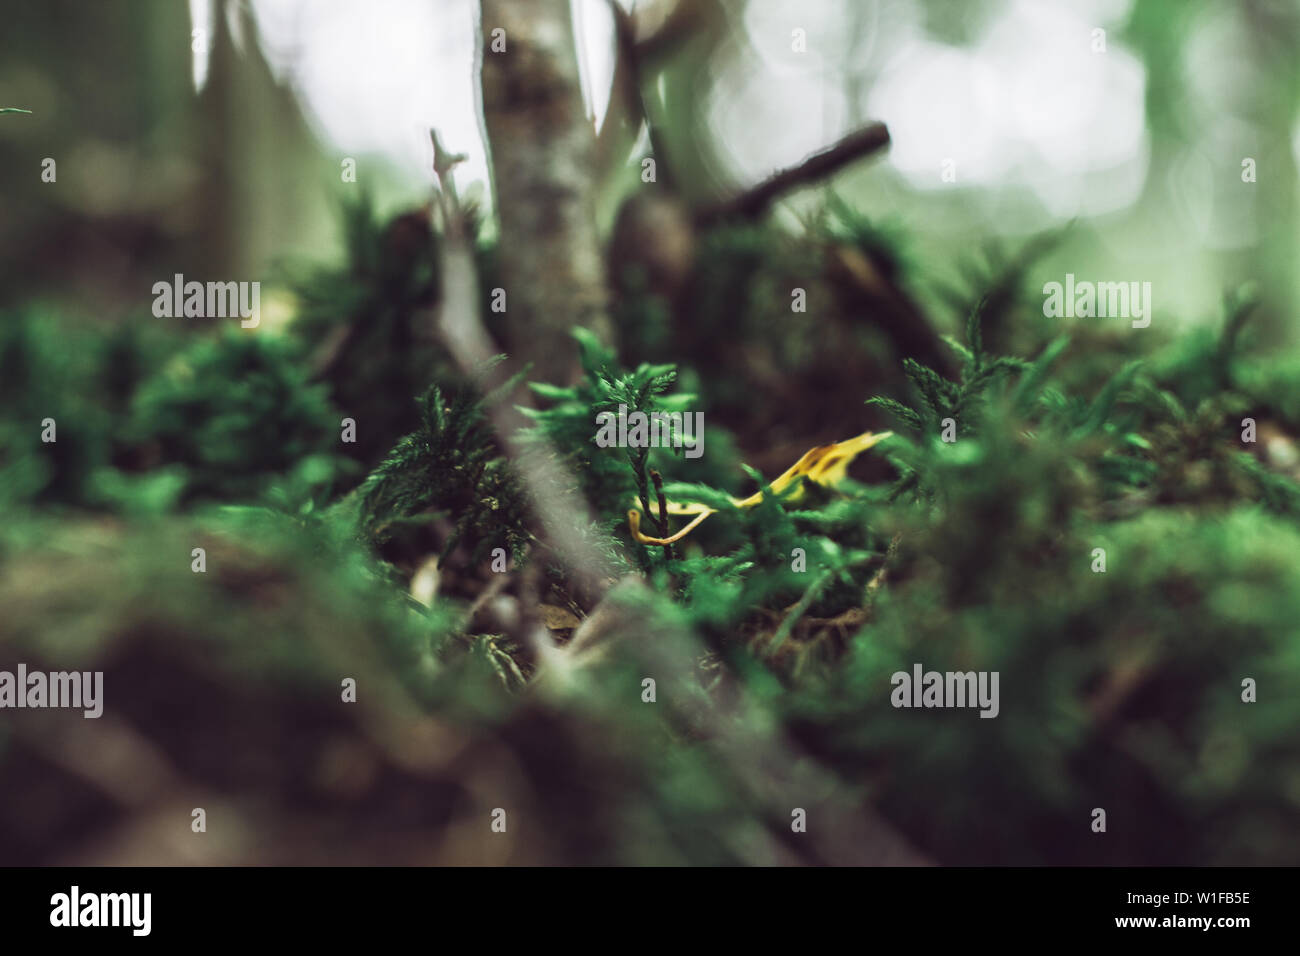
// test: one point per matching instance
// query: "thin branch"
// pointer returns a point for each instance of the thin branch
(658, 480)
(752, 203)
(561, 510)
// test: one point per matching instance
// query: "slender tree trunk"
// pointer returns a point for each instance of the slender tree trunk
(543, 172)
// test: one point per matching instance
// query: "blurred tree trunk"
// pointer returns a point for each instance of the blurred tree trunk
(152, 177)
(543, 179)
(1272, 101)
(261, 196)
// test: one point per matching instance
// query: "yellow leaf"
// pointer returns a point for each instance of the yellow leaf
(824, 465)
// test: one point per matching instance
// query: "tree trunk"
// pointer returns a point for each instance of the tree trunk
(542, 160)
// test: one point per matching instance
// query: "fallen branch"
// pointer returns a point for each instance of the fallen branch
(752, 203)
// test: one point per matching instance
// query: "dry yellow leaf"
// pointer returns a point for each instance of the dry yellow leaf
(824, 465)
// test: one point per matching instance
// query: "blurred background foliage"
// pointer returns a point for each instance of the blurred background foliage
(221, 160)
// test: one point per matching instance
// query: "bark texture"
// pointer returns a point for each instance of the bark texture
(543, 154)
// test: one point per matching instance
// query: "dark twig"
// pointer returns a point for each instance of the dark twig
(752, 203)
(658, 480)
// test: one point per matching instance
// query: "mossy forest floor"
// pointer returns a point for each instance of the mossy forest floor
(1098, 533)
